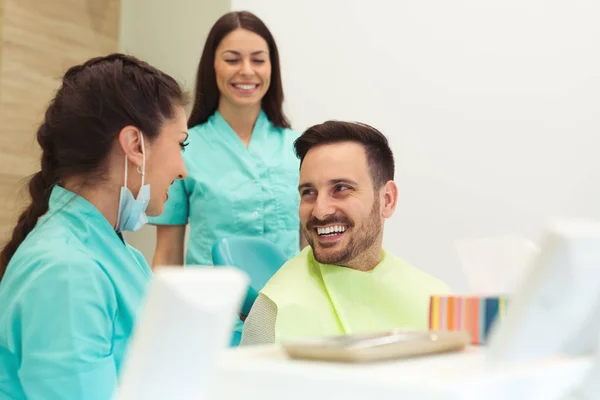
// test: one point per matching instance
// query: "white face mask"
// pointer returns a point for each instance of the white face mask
(132, 212)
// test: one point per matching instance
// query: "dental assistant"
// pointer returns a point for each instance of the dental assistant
(71, 287)
(242, 170)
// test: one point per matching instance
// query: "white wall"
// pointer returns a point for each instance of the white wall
(169, 35)
(492, 107)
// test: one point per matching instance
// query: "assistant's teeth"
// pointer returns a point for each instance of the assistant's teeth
(245, 87)
(331, 229)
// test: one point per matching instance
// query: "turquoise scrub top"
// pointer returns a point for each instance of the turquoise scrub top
(234, 190)
(69, 300)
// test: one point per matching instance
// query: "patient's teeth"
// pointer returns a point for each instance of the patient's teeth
(331, 229)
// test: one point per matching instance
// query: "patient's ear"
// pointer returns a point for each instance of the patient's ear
(389, 198)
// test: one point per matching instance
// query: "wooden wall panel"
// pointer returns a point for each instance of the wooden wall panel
(39, 40)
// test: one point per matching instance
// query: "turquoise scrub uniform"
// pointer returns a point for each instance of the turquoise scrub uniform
(69, 300)
(234, 190)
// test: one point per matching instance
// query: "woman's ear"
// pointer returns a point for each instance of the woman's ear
(130, 142)
(389, 193)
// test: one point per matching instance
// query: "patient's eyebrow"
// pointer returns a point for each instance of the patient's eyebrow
(305, 186)
(337, 181)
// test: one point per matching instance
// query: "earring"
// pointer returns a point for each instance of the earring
(139, 170)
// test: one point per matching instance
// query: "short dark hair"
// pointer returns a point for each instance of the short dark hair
(206, 97)
(379, 155)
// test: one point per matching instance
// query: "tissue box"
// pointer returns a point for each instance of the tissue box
(474, 314)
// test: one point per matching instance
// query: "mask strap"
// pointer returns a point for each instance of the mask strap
(125, 179)
(143, 160)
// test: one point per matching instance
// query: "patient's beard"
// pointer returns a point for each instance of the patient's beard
(361, 239)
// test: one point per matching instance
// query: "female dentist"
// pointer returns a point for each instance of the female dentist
(70, 286)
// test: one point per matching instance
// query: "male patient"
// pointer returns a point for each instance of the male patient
(344, 282)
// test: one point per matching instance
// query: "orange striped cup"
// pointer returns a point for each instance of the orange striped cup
(474, 314)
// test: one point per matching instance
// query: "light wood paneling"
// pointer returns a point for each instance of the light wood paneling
(1, 25)
(39, 41)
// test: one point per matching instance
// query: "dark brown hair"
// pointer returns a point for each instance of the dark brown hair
(96, 100)
(206, 97)
(379, 155)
